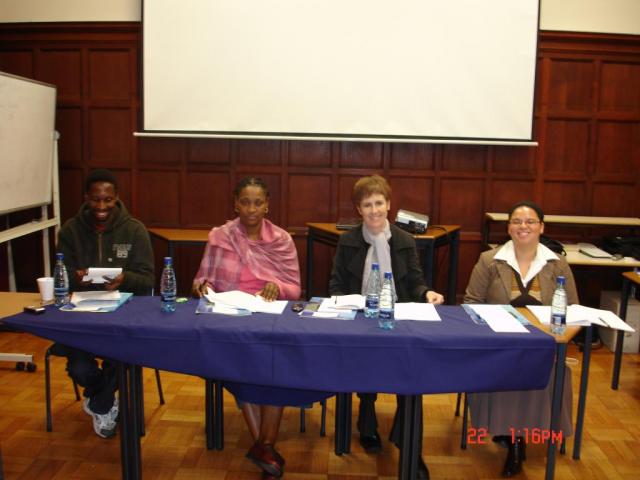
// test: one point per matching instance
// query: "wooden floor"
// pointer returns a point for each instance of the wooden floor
(174, 447)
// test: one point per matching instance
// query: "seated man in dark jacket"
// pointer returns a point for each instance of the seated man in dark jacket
(103, 234)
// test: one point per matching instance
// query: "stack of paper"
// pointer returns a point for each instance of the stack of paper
(96, 301)
(347, 302)
(330, 308)
(238, 300)
(424, 312)
(581, 315)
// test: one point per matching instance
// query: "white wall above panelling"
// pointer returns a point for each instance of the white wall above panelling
(605, 16)
(14, 11)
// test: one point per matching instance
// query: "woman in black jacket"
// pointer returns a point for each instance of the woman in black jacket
(376, 241)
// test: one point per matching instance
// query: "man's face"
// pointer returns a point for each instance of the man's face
(102, 199)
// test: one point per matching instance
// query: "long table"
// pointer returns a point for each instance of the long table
(436, 236)
(301, 354)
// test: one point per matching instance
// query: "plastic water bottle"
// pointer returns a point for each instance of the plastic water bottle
(386, 317)
(168, 287)
(60, 281)
(559, 308)
(372, 302)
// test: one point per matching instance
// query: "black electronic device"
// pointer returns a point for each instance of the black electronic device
(297, 307)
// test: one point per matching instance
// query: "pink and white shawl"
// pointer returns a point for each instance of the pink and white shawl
(273, 258)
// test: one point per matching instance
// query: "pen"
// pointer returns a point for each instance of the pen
(605, 322)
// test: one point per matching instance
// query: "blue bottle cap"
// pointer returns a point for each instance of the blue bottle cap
(387, 275)
(375, 266)
(59, 256)
(560, 280)
(167, 261)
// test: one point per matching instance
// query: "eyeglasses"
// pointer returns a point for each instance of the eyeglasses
(529, 222)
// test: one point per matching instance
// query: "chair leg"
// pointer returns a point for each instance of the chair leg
(47, 390)
(465, 420)
(303, 427)
(159, 384)
(323, 418)
(458, 404)
(75, 389)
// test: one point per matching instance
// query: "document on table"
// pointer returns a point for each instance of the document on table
(603, 318)
(96, 301)
(245, 301)
(328, 309)
(499, 319)
(96, 275)
(423, 312)
(348, 302)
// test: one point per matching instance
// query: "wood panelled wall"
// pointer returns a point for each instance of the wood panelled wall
(587, 123)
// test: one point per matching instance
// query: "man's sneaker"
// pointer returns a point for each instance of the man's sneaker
(104, 425)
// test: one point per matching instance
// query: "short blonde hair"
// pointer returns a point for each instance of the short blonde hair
(367, 186)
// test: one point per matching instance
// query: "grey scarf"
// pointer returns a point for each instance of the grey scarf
(379, 252)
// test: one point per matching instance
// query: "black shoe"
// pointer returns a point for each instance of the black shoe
(423, 471)
(515, 457)
(503, 440)
(371, 443)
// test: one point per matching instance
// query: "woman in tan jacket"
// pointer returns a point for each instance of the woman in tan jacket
(521, 272)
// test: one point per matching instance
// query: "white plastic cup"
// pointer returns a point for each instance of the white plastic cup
(45, 285)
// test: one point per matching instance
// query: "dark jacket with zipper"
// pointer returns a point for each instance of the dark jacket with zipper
(348, 265)
(124, 243)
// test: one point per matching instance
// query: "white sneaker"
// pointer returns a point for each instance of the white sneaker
(105, 425)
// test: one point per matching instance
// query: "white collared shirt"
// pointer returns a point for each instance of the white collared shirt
(507, 253)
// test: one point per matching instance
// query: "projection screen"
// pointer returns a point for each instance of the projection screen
(403, 70)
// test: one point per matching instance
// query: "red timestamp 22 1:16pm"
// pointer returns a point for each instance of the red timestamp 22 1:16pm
(529, 435)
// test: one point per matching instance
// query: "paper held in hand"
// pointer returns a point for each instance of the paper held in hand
(245, 301)
(97, 275)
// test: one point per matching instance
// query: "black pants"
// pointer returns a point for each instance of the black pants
(99, 383)
(368, 422)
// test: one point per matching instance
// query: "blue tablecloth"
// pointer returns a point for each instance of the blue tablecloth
(313, 357)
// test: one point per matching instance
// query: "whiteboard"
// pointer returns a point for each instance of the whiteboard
(27, 128)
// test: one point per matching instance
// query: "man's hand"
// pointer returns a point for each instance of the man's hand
(80, 273)
(113, 283)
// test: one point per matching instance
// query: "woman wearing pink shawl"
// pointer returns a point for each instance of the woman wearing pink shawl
(253, 255)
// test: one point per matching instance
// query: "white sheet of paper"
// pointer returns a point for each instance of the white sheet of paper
(423, 312)
(94, 301)
(328, 305)
(541, 312)
(349, 302)
(499, 319)
(253, 303)
(96, 275)
(603, 318)
(99, 295)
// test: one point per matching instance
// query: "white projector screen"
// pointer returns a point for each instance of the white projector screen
(403, 70)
